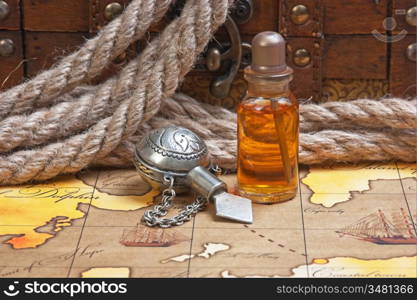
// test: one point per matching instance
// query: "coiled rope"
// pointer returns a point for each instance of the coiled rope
(55, 124)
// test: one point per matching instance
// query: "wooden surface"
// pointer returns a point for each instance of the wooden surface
(354, 16)
(354, 57)
(56, 15)
(307, 80)
(11, 66)
(43, 49)
(398, 8)
(265, 17)
(344, 37)
(96, 16)
(12, 21)
(311, 28)
(351, 89)
(403, 71)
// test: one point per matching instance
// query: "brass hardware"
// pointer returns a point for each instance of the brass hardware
(112, 10)
(302, 57)
(411, 16)
(242, 12)
(300, 14)
(412, 52)
(6, 47)
(4, 10)
(229, 61)
(221, 85)
(224, 58)
(213, 59)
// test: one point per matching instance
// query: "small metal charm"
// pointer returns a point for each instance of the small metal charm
(175, 159)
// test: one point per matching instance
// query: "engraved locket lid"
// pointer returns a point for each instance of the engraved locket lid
(175, 149)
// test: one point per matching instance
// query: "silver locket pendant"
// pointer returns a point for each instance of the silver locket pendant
(176, 160)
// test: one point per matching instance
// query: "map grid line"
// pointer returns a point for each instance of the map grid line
(408, 206)
(191, 248)
(302, 221)
(84, 222)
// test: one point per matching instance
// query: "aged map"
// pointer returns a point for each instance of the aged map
(347, 221)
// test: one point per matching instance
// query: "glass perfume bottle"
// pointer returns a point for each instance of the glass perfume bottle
(268, 125)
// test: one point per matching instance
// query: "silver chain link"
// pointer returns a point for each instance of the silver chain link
(154, 217)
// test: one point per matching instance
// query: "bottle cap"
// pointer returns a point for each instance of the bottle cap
(268, 54)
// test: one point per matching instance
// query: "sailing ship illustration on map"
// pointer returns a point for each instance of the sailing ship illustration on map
(143, 236)
(377, 228)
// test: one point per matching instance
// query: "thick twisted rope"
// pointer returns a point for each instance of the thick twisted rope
(218, 127)
(358, 145)
(156, 73)
(327, 146)
(70, 116)
(391, 113)
(70, 128)
(86, 63)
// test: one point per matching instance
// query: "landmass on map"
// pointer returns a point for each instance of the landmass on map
(347, 267)
(103, 272)
(58, 203)
(210, 249)
(334, 184)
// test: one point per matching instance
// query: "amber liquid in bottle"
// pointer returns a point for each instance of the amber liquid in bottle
(268, 120)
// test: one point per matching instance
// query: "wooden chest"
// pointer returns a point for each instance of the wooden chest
(339, 49)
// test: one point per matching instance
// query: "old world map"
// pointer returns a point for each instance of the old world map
(88, 225)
